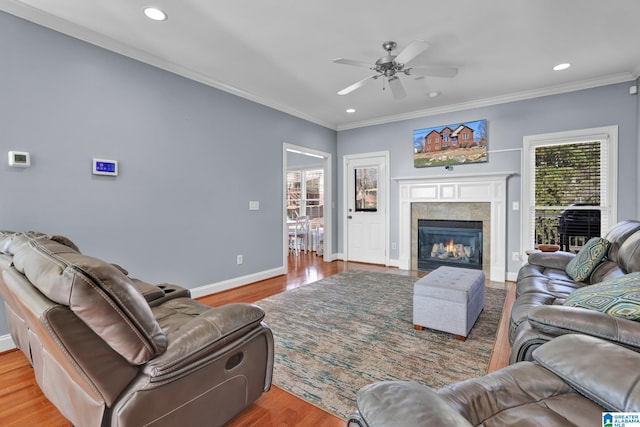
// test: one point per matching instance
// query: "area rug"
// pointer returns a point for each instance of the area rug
(336, 335)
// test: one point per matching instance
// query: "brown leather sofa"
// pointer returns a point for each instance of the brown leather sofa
(109, 350)
(538, 314)
(572, 381)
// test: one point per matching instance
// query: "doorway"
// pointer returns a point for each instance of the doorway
(322, 159)
(366, 220)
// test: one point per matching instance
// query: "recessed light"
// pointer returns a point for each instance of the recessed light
(155, 14)
(351, 110)
(561, 67)
(433, 94)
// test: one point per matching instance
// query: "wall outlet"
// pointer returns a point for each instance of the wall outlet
(515, 256)
(239, 259)
(394, 246)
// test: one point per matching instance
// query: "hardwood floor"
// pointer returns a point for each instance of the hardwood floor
(23, 404)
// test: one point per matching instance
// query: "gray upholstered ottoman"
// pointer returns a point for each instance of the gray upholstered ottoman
(449, 299)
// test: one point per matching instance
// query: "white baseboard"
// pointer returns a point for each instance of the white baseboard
(332, 257)
(236, 282)
(6, 343)
(392, 262)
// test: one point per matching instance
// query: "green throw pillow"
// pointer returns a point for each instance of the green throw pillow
(618, 297)
(587, 259)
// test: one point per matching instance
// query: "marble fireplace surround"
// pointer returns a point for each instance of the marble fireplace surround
(480, 194)
(472, 211)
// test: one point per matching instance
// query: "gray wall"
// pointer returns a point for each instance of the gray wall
(507, 125)
(191, 158)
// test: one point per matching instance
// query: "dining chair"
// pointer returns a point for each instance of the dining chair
(299, 235)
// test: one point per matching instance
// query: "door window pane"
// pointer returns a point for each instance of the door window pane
(294, 187)
(305, 194)
(366, 186)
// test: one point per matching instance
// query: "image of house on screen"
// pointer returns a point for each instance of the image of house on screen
(450, 144)
(447, 138)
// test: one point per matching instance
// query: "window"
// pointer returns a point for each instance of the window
(305, 193)
(366, 189)
(569, 187)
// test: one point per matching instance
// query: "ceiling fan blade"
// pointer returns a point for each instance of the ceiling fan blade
(352, 62)
(357, 84)
(432, 71)
(414, 49)
(396, 88)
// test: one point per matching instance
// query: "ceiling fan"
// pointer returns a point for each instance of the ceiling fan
(390, 66)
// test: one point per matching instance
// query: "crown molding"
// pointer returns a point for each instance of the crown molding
(518, 96)
(37, 16)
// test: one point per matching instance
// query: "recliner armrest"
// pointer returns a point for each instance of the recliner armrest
(406, 404)
(557, 260)
(203, 336)
(149, 292)
(558, 320)
(603, 372)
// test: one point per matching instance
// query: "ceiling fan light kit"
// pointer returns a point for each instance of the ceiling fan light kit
(390, 66)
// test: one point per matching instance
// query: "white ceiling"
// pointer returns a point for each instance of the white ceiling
(279, 52)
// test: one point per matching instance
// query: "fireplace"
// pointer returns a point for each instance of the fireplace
(456, 243)
(463, 197)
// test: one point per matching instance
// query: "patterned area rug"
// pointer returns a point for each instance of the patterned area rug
(336, 335)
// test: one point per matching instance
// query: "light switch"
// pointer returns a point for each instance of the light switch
(516, 206)
(19, 159)
(254, 205)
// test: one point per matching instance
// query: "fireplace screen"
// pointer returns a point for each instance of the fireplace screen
(449, 242)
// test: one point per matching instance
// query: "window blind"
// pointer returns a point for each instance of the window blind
(569, 191)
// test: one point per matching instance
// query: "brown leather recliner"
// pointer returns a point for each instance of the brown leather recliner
(109, 350)
(572, 382)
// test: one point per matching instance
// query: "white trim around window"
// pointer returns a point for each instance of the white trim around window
(609, 136)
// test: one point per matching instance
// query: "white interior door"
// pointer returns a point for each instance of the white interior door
(366, 219)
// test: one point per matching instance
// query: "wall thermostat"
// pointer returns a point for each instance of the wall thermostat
(105, 167)
(19, 159)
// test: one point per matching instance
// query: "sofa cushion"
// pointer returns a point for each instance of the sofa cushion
(618, 297)
(629, 254)
(98, 293)
(576, 360)
(618, 234)
(590, 255)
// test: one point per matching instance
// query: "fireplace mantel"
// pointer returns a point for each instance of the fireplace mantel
(485, 187)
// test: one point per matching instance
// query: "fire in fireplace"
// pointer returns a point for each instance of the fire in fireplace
(449, 242)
